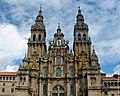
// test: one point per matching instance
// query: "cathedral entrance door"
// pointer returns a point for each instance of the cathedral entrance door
(58, 91)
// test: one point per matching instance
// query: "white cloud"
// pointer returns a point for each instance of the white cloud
(10, 68)
(12, 46)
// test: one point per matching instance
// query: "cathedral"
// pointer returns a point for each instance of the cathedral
(56, 70)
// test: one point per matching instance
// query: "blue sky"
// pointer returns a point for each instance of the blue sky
(102, 17)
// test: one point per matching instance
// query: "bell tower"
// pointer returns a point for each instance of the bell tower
(87, 61)
(36, 42)
(29, 71)
(82, 41)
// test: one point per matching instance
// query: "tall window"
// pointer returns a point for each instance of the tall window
(20, 78)
(34, 37)
(79, 37)
(6, 78)
(24, 79)
(84, 36)
(3, 89)
(13, 78)
(3, 78)
(10, 78)
(58, 72)
(39, 37)
(72, 90)
(58, 60)
(71, 71)
(45, 73)
(44, 90)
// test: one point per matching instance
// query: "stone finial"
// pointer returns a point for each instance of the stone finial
(93, 49)
(79, 11)
(40, 12)
(94, 55)
(78, 7)
(59, 29)
(58, 25)
(40, 6)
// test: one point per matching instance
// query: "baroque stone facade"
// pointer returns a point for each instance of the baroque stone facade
(58, 71)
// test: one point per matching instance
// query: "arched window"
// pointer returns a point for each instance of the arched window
(71, 71)
(58, 72)
(39, 37)
(108, 83)
(55, 88)
(58, 42)
(20, 78)
(79, 37)
(84, 36)
(116, 84)
(111, 83)
(72, 90)
(58, 91)
(24, 79)
(44, 90)
(105, 84)
(61, 88)
(58, 60)
(119, 83)
(34, 37)
(45, 73)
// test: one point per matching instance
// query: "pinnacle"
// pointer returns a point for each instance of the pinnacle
(40, 12)
(80, 17)
(58, 29)
(58, 25)
(93, 50)
(39, 20)
(79, 11)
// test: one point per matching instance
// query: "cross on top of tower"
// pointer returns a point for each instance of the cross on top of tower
(79, 11)
(40, 6)
(58, 25)
(40, 12)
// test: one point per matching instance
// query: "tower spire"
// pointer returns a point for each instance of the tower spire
(58, 25)
(93, 50)
(59, 29)
(39, 18)
(94, 55)
(79, 11)
(80, 17)
(40, 12)
(39, 24)
(81, 35)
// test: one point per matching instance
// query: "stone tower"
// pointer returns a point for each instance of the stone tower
(57, 71)
(88, 66)
(29, 72)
